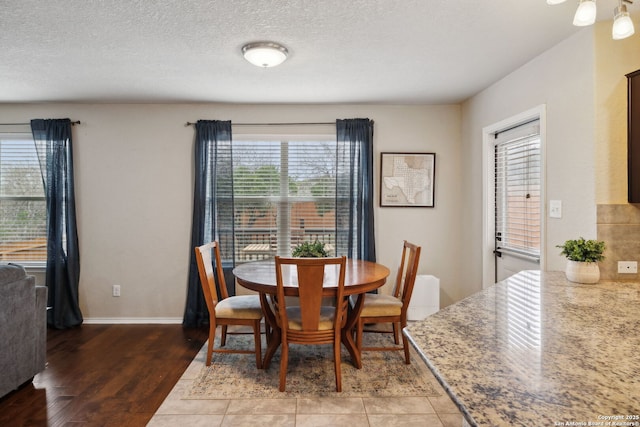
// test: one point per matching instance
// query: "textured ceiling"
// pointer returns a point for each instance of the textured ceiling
(355, 51)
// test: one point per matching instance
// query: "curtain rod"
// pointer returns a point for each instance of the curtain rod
(77, 122)
(274, 124)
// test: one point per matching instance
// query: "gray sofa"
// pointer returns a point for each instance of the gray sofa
(23, 327)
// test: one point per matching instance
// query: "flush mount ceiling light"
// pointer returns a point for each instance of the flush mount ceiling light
(586, 15)
(265, 54)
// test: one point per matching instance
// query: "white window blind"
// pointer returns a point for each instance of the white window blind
(283, 194)
(23, 230)
(518, 189)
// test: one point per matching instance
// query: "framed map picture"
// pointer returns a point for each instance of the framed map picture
(407, 179)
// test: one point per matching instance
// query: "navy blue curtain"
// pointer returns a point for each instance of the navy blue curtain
(55, 153)
(212, 218)
(354, 192)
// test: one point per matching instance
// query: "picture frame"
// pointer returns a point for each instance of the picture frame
(407, 179)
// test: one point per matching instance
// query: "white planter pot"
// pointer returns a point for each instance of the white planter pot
(582, 272)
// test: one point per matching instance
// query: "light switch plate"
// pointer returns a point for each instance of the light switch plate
(555, 208)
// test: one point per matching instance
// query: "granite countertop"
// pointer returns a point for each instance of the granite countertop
(538, 350)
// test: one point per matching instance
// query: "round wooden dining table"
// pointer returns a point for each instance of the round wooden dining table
(360, 278)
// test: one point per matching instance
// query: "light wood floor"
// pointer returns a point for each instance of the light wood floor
(103, 375)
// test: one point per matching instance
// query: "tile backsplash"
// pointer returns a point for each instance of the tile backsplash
(619, 227)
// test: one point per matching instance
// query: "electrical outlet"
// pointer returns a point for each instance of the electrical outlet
(628, 267)
(115, 290)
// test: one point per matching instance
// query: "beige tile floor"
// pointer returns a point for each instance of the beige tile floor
(302, 412)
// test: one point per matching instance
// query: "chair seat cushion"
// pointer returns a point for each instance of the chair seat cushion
(239, 307)
(376, 305)
(326, 318)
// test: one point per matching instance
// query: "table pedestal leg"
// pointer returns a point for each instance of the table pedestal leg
(273, 336)
(347, 332)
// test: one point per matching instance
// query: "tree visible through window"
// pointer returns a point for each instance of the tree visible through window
(283, 194)
(23, 234)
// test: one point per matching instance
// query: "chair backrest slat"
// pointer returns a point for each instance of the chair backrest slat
(310, 281)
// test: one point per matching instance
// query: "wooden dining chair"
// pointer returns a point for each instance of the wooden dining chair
(311, 322)
(379, 308)
(225, 311)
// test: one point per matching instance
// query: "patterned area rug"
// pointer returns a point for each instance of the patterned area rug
(310, 373)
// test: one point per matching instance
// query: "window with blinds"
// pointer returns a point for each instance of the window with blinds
(518, 190)
(23, 211)
(284, 193)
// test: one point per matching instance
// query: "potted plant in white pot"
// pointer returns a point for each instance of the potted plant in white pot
(583, 256)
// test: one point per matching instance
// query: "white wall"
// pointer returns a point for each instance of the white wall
(562, 78)
(134, 183)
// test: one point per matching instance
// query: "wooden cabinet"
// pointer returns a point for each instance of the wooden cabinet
(633, 139)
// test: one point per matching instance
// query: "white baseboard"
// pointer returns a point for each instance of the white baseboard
(132, 320)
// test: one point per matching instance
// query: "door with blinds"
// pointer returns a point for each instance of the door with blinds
(518, 199)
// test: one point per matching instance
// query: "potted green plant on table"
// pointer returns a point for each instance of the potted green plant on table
(583, 256)
(310, 250)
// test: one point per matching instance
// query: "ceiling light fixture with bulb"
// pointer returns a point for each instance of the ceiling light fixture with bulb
(265, 54)
(586, 15)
